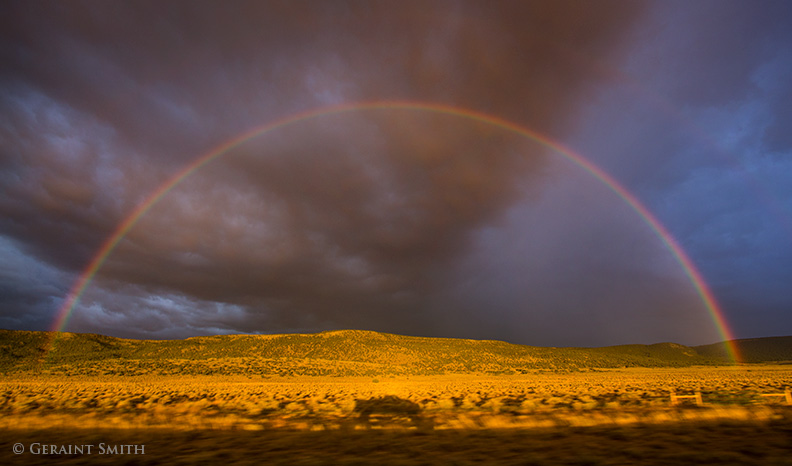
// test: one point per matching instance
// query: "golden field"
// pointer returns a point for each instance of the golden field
(617, 416)
(542, 399)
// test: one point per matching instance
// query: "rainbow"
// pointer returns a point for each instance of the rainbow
(689, 268)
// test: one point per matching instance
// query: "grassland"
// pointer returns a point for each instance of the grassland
(387, 399)
(424, 402)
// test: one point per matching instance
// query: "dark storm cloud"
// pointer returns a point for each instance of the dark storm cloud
(168, 81)
(214, 64)
(345, 219)
(368, 220)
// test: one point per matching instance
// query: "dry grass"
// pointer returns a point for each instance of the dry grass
(439, 402)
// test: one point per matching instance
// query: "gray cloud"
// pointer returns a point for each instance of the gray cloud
(29, 288)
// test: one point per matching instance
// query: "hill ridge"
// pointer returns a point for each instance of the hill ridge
(344, 353)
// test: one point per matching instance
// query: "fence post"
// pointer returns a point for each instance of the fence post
(675, 398)
(788, 396)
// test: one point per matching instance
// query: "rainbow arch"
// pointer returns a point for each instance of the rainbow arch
(662, 233)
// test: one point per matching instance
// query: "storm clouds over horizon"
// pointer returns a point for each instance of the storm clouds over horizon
(398, 220)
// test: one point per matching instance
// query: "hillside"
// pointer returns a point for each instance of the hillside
(342, 353)
(769, 349)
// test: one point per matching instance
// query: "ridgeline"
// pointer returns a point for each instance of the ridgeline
(343, 353)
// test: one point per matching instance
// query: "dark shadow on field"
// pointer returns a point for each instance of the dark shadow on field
(391, 410)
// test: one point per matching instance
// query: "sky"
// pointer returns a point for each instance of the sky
(398, 219)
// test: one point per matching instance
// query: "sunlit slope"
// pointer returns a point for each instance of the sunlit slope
(344, 353)
(769, 349)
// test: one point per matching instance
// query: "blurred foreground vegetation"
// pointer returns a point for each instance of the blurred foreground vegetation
(706, 443)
